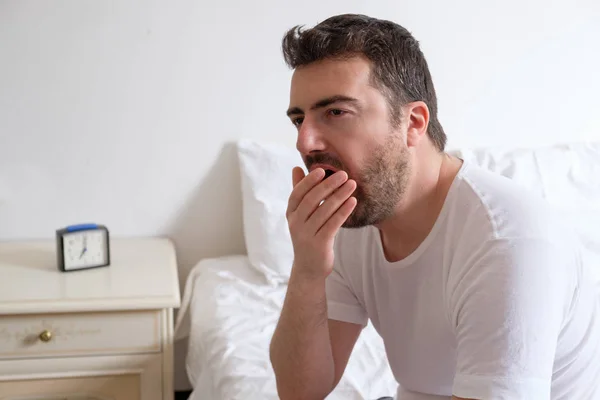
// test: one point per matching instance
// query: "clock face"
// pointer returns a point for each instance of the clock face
(84, 249)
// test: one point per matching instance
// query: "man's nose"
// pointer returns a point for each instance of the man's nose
(310, 138)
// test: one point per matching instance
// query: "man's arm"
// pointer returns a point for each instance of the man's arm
(307, 355)
(309, 352)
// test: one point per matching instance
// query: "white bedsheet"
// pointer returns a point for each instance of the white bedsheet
(232, 314)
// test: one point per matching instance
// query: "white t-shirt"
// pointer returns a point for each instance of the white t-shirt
(494, 304)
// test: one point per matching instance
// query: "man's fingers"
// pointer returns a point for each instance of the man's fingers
(323, 190)
(330, 228)
(331, 204)
(304, 186)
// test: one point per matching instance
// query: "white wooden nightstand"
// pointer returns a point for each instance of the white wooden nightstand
(103, 333)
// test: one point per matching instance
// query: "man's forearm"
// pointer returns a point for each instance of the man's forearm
(301, 349)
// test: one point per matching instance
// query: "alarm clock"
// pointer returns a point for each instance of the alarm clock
(82, 246)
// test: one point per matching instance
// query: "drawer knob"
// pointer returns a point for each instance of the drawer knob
(46, 336)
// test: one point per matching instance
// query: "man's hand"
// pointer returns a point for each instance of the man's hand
(302, 354)
(313, 225)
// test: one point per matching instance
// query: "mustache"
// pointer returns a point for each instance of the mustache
(323, 158)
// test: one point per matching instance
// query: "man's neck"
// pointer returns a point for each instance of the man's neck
(416, 214)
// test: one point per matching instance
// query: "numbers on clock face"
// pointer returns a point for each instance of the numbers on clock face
(84, 249)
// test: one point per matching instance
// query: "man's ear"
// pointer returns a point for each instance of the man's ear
(417, 117)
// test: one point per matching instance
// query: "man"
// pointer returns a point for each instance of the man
(476, 289)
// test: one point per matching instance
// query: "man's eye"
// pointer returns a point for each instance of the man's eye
(297, 121)
(335, 112)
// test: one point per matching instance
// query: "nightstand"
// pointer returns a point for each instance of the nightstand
(103, 333)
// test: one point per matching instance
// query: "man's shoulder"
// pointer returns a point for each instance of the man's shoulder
(506, 230)
(507, 207)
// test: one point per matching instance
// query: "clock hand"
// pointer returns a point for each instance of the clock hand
(84, 247)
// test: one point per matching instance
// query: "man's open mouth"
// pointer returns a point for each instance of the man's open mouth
(328, 168)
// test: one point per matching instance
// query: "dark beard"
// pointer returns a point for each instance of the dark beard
(381, 185)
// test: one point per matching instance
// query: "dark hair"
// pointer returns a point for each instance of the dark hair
(399, 68)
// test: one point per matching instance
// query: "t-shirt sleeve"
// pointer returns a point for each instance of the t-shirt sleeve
(507, 304)
(342, 301)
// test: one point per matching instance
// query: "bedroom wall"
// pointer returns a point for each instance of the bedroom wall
(125, 112)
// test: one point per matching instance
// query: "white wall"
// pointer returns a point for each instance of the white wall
(124, 112)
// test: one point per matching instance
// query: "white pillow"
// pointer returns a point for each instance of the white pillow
(266, 174)
(565, 174)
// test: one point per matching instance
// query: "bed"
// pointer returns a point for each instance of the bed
(232, 315)
(231, 304)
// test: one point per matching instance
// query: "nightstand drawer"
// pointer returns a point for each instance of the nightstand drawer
(79, 334)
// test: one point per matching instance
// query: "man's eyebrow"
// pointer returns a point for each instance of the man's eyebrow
(334, 99)
(323, 103)
(294, 111)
